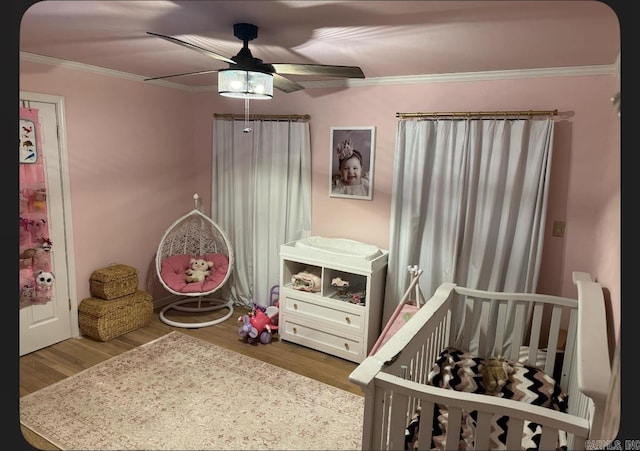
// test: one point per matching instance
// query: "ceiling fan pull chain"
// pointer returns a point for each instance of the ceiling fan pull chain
(246, 129)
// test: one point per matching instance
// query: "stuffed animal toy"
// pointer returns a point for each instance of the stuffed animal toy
(26, 225)
(44, 286)
(261, 322)
(27, 287)
(39, 229)
(26, 257)
(200, 268)
(46, 244)
(39, 201)
(41, 260)
(495, 374)
(24, 201)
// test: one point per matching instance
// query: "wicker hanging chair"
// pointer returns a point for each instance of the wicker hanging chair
(194, 235)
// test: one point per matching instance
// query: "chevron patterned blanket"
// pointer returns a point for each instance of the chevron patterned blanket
(460, 370)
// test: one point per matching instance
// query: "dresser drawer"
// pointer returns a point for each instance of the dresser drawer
(351, 321)
(344, 346)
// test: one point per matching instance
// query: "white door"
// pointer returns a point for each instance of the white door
(49, 322)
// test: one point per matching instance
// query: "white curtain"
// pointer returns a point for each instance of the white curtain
(261, 198)
(469, 204)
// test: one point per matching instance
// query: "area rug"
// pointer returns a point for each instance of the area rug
(182, 393)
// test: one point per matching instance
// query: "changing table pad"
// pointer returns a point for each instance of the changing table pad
(340, 247)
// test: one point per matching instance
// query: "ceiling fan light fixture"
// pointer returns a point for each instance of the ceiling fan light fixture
(245, 84)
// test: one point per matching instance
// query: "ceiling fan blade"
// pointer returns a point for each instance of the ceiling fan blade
(285, 85)
(200, 72)
(202, 50)
(318, 69)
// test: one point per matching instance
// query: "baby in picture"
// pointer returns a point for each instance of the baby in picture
(351, 179)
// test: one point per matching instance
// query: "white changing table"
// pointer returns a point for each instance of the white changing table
(327, 320)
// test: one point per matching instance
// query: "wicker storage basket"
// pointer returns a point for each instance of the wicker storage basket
(114, 281)
(103, 320)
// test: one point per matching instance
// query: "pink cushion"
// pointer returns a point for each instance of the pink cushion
(172, 271)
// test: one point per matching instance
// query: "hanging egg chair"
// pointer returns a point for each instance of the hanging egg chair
(191, 237)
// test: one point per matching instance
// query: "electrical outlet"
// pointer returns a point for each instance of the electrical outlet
(558, 228)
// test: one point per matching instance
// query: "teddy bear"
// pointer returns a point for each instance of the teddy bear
(200, 268)
(44, 286)
(495, 374)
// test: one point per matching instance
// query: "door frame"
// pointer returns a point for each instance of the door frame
(58, 101)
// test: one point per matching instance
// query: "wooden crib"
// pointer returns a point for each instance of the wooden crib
(546, 338)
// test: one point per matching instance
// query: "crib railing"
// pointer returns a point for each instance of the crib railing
(397, 398)
(486, 324)
(521, 327)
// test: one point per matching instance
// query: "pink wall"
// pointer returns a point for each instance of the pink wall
(138, 151)
(586, 149)
(131, 164)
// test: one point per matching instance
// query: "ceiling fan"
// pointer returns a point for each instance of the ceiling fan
(244, 60)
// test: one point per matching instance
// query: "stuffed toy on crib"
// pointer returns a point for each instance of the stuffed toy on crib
(495, 374)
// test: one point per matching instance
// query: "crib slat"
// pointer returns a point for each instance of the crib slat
(552, 347)
(549, 439)
(453, 428)
(398, 420)
(534, 338)
(519, 323)
(514, 435)
(426, 420)
(569, 353)
(444, 336)
(479, 344)
(378, 428)
(471, 317)
(483, 429)
(577, 443)
(453, 324)
(501, 321)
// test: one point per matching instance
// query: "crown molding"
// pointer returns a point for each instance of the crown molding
(26, 56)
(573, 71)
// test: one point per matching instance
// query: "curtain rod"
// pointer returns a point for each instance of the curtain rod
(276, 117)
(477, 114)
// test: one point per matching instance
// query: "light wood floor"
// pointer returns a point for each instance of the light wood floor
(54, 363)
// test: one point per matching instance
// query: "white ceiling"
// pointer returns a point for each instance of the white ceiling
(387, 39)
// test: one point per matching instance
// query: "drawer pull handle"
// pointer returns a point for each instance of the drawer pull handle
(295, 331)
(348, 320)
(295, 306)
(346, 346)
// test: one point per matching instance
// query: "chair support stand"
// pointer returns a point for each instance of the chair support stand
(204, 305)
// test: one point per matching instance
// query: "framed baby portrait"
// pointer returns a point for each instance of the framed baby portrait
(351, 162)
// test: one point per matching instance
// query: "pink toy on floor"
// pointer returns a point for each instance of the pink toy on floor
(259, 323)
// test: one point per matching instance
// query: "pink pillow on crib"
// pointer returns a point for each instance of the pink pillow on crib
(172, 271)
